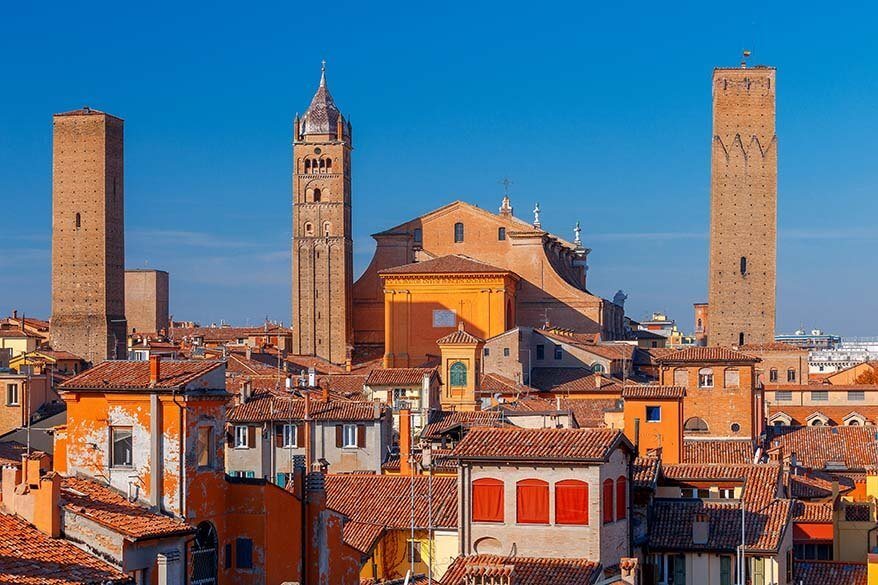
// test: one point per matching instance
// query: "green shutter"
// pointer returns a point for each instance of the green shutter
(251, 474)
(679, 569)
(725, 571)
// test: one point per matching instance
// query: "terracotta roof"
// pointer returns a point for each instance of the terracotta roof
(812, 512)
(836, 415)
(549, 444)
(451, 264)
(441, 461)
(271, 407)
(443, 420)
(11, 452)
(361, 535)
(588, 412)
(527, 570)
(459, 336)
(724, 451)
(759, 480)
(814, 483)
(29, 557)
(399, 376)
(653, 392)
(110, 509)
(350, 385)
(378, 502)
(494, 383)
(843, 447)
(773, 346)
(573, 380)
(226, 334)
(240, 364)
(830, 573)
(707, 354)
(586, 342)
(125, 375)
(645, 471)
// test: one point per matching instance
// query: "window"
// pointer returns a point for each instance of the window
(501, 233)
(487, 503)
(608, 501)
(791, 375)
(120, 447)
(12, 395)
(243, 553)
(559, 352)
(784, 396)
(681, 377)
(695, 425)
(541, 351)
(487, 352)
(736, 428)
(532, 501)
(242, 436)
(653, 414)
(856, 395)
(458, 375)
(413, 551)
(317, 195)
(743, 265)
(327, 229)
(725, 570)
(309, 228)
(820, 395)
(705, 378)
(282, 479)
(458, 232)
(204, 448)
(741, 338)
(418, 235)
(505, 352)
(813, 551)
(349, 436)
(732, 378)
(77, 223)
(621, 498)
(772, 375)
(571, 502)
(289, 435)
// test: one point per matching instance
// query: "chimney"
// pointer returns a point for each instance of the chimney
(324, 391)
(405, 441)
(248, 352)
(700, 528)
(246, 390)
(299, 476)
(307, 430)
(15, 313)
(289, 382)
(598, 380)
(312, 377)
(155, 369)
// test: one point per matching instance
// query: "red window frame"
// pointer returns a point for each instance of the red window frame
(532, 501)
(621, 498)
(571, 502)
(608, 501)
(487, 500)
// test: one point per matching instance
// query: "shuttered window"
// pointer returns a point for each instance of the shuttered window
(608, 501)
(571, 502)
(621, 498)
(487, 504)
(532, 501)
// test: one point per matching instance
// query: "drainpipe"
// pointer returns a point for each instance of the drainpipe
(156, 460)
(181, 490)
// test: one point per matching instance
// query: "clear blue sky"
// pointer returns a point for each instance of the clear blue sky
(601, 112)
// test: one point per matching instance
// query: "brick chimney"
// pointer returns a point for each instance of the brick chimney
(700, 528)
(405, 441)
(155, 369)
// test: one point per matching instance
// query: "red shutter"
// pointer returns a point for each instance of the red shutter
(608, 501)
(300, 436)
(251, 437)
(279, 435)
(621, 498)
(339, 436)
(361, 436)
(487, 500)
(532, 501)
(571, 502)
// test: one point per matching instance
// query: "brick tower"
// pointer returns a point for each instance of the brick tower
(743, 207)
(322, 244)
(88, 235)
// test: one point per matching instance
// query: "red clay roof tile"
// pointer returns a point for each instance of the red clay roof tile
(527, 570)
(134, 375)
(549, 444)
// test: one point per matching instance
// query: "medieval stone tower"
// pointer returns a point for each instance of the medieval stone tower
(743, 207)
(322, 244)
(88, 235)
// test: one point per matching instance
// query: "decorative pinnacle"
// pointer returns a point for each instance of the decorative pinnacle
(537, 216)
(323, 73)
(577, 233)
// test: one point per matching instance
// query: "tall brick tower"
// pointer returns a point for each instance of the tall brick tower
(743, 207)
(322, 243)
(88, 235)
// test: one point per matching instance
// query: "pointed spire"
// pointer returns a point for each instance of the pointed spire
(322, 116)
(323, 73)
(506, 205)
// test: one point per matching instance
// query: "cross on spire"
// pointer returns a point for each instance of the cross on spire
(505, 206)
(323, 73)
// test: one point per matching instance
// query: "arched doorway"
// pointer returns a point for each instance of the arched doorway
(204, 555)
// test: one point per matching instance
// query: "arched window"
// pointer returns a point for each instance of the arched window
(571, 502)
(621, 498)
(501, 233)
(532, 501)
(705, 378)
(418, 235)
(458, 232)
(317, 195)
(699, 324)
(204, 554)
(598, 368)
(487, 504)
(732, 378)
(328, 165)
(681, 377)
(321, 164)
(791, 375)
(608, 501)
(695, 425)
(458, 374)
(326, 229)
(743, 265)
(309, 228)
(817, 422)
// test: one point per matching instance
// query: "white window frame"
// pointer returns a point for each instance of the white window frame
(10, 389)
(130, 463)
(646, 413)
(704, 378)
(242, 432)
(349, 436)
(290, 436)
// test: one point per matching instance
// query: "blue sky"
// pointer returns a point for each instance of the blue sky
(599, 112)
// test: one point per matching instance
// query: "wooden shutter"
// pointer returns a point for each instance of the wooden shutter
(758, 571)
(725, 570)
(279, 436)
(251, 436)
(230, 436)
(679, 569)
(361, 436)
(300, 436)
(339, 436)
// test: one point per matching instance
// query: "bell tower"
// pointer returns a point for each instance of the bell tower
(322, 243)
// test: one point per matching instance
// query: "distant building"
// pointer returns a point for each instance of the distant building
(146, 300)
(816, 339)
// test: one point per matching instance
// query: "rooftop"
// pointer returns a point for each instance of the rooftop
(831, 448)
(830, 573)
(134, 375)
(707, 354)
(399, 376)
(527, 570)
(543, 445)
(721, 451)
(451, 264)
(265, 407)
(653, 392)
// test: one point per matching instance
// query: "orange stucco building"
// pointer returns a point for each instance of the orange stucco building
(427, 300)
(654, 419)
